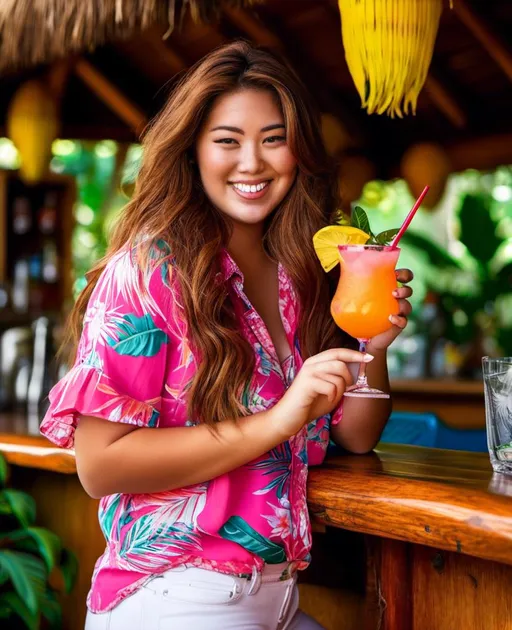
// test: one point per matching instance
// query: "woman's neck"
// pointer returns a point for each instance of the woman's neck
(246, 246)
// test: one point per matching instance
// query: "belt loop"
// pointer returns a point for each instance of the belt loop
(286, 601)
(255, 583)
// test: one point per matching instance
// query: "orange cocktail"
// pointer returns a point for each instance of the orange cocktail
(363, 301)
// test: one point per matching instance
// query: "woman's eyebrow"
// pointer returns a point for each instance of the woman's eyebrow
(240, 131)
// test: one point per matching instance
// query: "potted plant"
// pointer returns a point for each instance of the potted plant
(33, 564)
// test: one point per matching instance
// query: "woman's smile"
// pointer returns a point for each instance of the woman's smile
(250, 191)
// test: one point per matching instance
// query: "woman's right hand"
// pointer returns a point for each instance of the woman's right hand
(316, 390)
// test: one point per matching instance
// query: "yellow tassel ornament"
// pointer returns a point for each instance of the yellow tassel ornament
(388, 48)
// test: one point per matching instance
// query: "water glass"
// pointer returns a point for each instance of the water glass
(498, 411)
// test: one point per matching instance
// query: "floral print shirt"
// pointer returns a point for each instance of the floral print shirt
(133, 365)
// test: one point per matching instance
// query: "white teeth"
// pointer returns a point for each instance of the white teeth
(247, 188)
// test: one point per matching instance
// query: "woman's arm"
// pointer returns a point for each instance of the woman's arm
(113, 457)
(364, 418)
(118, 458)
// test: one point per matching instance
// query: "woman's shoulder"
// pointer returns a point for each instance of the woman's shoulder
(140, 271)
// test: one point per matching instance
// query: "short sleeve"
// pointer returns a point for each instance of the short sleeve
(119, 372)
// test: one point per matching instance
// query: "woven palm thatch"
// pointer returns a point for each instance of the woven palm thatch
(388, 48)
(35, 31)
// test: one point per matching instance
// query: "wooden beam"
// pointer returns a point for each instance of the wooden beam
(444, 100)
(111, 95)
(484, 34)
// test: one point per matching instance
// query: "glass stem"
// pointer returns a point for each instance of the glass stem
(362, 381)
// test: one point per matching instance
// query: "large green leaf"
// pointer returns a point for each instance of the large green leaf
(138, 336)
(11, 601)
(4, 471)
(69, 569)
(239, 531)
(19, 504)
(35, 539)
(27, 574)
(51, 610)
(477, 228)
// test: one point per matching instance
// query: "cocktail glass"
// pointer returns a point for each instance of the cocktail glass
(363, 300)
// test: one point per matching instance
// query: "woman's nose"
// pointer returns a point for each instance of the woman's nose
(250, 159)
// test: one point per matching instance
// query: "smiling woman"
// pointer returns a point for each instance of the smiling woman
(209, 371)
(239, 153)
(252, 161)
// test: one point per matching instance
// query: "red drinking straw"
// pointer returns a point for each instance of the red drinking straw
(409, 217)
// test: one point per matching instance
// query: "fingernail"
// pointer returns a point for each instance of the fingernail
(391, 318)
(395, 293)
(368, 357)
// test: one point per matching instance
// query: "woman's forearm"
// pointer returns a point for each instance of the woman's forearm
(154, 460)
(364, 418)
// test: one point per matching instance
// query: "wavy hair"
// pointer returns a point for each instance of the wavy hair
(169, 203)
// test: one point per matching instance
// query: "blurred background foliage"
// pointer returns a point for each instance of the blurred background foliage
(460, 251)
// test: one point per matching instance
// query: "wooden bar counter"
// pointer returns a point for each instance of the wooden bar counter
(429, 531)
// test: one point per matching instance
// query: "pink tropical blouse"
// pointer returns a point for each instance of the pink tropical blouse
(134, 364)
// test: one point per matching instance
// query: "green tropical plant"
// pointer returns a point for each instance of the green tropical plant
(33, 564)
(473, 283)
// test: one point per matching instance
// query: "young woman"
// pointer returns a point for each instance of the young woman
(209, 373)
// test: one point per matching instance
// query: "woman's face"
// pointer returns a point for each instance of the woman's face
(245, 164)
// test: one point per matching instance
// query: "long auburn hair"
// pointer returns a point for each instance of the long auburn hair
(169, 203)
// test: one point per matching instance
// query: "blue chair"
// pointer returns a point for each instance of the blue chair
(426, 429)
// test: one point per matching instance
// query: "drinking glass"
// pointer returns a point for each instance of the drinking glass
(363, 300)
(498, 411)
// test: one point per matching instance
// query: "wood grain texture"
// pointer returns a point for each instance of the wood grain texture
(445, 499)
(388, 592)
(35, 451)
(453, 591)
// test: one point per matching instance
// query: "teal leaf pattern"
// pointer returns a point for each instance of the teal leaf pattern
(138, 337)
(239, 531)
(277, 466)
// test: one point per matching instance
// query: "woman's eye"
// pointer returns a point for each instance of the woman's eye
(274, 139)
(225, 141)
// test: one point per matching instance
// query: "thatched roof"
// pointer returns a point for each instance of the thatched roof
(35, 31)
(112, 89)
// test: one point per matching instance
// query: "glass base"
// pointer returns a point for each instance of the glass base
(357, 391)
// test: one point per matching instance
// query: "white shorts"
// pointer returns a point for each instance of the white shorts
(197, 599)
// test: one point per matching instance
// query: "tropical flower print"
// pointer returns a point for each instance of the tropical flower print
(280, 520)
(134, 365)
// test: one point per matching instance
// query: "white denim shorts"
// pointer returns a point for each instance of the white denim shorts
(198, 599)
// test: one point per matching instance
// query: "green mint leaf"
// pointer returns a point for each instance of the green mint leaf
(360, 220)
(386, 237)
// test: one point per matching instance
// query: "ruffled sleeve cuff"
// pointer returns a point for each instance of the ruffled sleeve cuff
(87, 391)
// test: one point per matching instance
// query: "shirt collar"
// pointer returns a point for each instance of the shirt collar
(228, 267)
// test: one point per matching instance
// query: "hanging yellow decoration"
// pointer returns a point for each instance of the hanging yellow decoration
(32, 124)
(388, 48)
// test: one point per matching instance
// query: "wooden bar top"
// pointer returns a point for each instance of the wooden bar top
(450, 500)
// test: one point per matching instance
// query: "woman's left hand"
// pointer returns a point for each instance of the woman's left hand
(385, 339)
